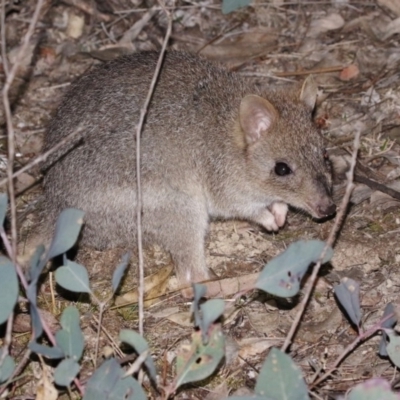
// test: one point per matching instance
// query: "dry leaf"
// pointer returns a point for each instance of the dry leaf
(251, 347)
(349, 73)
(392, 28)
(182, 318)
(393, 5)
(155, 285)
(331, 22)
(75, 26)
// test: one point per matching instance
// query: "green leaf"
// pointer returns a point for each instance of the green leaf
(199, 292)
(73, 277)
(280, 378)
(7, 367)
(388, 324)
(373, 389)
(231, 5)
(348, 295)
(8, 288)
(66, 372)
(107, 383)
(119, 272)
(52, 353)
(211, 310)
(70, 338)
(3, 207)
(393, 347)
(140, 345)
(282, 275)
(35, 264)
(68, 226)
(200, 360)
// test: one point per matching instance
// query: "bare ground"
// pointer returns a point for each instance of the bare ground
(352, 48)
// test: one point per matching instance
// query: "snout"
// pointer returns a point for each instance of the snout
(326, 210)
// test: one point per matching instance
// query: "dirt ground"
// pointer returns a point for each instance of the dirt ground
(352, 48)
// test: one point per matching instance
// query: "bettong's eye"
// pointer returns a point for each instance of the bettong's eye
(282, 169)
(326, 155)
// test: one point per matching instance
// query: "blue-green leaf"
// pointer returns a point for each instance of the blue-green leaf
(73, 277)
(70, 338)
(8, 288)
(281, 378)
(108, 383)
(3, 207)
(199, 291)
(201, 360)
(231, 5)
(52, 353)
(348, 295)
(119, 272)
(66, 372)
(68, 226)
(211, 310)
(373, 389)
(140, 345)
(282, 275)
(7, 367)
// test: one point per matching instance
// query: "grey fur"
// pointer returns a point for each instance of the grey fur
(196, 164)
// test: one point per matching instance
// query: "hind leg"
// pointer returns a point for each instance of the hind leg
(181, 228)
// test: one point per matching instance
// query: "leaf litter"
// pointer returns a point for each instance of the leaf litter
(352, 49)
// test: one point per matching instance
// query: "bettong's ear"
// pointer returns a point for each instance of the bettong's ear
(309, 93)
(256, 115)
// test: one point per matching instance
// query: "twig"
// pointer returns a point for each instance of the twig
(3, 37)
(42, 157)
(10, 129)
(331, 239)
(139, 128)
(133, 32)
(311, 71)
(377, 186)
(88, 9)
(361, 338)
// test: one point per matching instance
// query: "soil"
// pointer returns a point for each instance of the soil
(352, 49)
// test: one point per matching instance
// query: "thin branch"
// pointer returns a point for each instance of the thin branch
(331, 240)
(43, 156)
(7, 110)
(139, 128)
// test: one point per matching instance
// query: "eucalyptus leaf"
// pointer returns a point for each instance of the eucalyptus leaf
(70, 338)
(373, 389)
(282, 275)
(7, 367)
(281, 378)
(3, 207)
(73, 277)
(8, 288)
(200, 360)
(52, 353)
(108, 383)
(211, 310)
(36, 263)
(199, 292)
(68, 226)
(348, 295)
(232, 5)
(66, 372)
(389, 323)
(136, 341)
(119, 272)
(393, 347)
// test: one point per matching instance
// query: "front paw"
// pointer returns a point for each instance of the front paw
(279, 211)
(268, 221)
